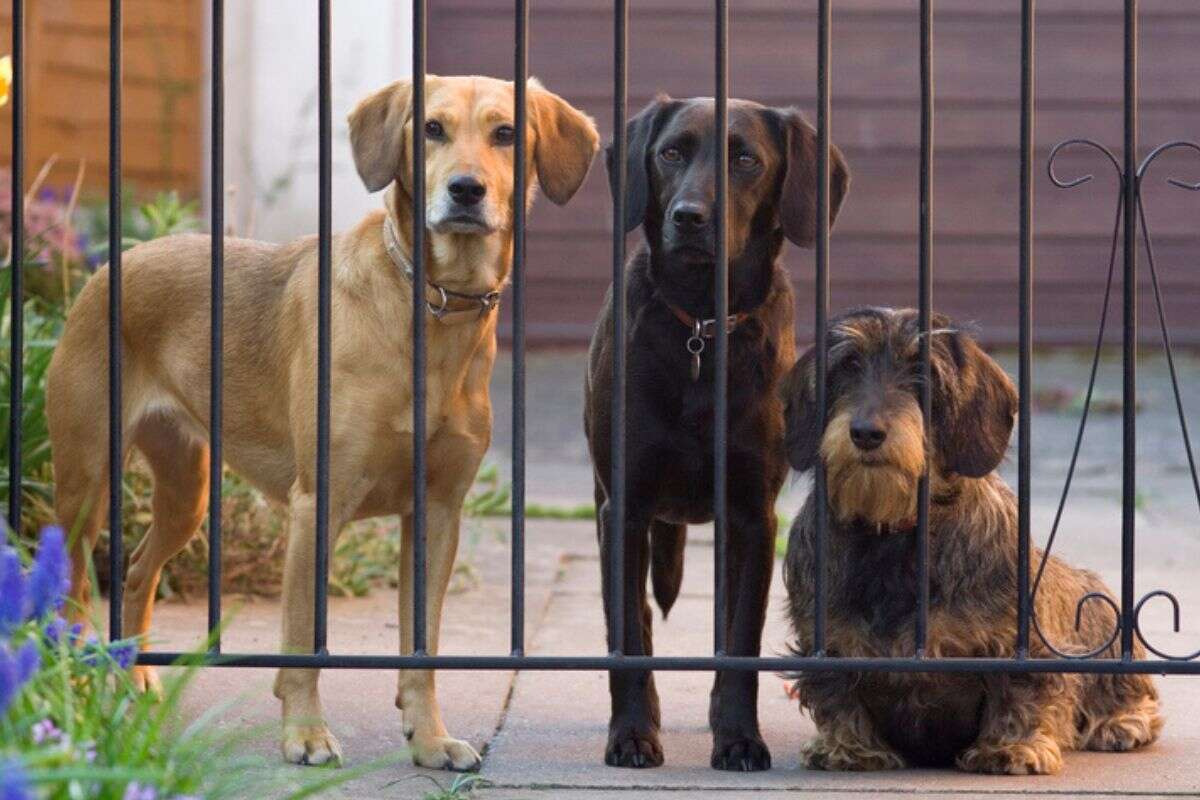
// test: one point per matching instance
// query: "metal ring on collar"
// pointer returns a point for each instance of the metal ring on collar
(438, 311)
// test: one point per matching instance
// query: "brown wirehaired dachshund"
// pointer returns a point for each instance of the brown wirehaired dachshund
(873, 447)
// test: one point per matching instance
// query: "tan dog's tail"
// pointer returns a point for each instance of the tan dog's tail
(666, 562)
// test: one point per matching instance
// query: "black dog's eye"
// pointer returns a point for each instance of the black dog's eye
(504, 135)
(671, 154)
(434, 130)
(745, 161)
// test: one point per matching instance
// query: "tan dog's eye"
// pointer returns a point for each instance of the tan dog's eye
(745, 161)
(504, 135)
(434, 130)
(671, 154)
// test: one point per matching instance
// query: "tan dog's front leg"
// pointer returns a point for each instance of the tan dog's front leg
(415, 694)
(306, 737)
(846, 736)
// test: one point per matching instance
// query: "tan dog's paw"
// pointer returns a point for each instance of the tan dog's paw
(145, 679)
(824, 754)
(1041, 757)
(1125, 732)
(311, 745)
(442, 752)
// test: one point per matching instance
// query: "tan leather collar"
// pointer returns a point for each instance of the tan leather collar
(445, 305)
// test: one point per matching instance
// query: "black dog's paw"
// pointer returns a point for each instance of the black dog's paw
(741, 754)
(629, 747)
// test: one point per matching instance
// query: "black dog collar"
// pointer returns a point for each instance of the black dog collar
(702, 329)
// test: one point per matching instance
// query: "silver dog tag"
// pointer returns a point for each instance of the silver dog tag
(695, 346)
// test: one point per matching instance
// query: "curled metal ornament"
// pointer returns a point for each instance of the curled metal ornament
(1100, 596)
(1156, 152)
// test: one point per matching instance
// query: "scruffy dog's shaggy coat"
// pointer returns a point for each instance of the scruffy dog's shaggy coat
(873, 451)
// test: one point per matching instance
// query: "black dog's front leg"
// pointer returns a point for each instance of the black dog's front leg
(733, 708)
(633, 727)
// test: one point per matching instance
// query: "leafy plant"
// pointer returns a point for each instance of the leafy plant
(73, 724)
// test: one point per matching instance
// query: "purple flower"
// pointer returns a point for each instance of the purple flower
(123, 652)
(54, 630)
(12, 591)
(45, 731)
(28, 660)
(14, 783)
(49, 580)
(12, 675)
(136, 791)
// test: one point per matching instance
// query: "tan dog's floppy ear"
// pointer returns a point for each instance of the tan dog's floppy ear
(798, 199)
(567, 142)
(974, 407)
(377, 134)
(802, 438)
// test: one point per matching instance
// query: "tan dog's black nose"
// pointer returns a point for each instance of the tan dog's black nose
(867, 434)
(465, 190)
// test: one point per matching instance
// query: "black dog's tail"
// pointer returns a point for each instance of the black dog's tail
(666, 562)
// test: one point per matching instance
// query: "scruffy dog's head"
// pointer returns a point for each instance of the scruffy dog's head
(873, 440)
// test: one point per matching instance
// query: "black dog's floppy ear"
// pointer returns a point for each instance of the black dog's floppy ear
(639, 134)
(803, 425)
(978, 404)
(798, 198)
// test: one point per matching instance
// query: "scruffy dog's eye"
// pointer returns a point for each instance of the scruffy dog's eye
(434, 130)
(504, 135)
(671, 154)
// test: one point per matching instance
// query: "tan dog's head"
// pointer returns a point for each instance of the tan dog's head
(469, 139)
(873, 445)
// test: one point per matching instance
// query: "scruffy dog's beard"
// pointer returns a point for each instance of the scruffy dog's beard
(877, 486)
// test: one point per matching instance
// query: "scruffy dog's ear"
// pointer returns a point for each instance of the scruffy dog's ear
(566, 143)
(639, 137)
(803, 427)
(377, 134)
(798, 198)
(975, 408)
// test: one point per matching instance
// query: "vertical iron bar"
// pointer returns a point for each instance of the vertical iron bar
(520, 78)
(216, 323)
(418, 323)
(821, 314)
(616, 500)
(16, 264)
(324, 325)
(721, 312)
(1025, 299)
(115, 460)
(925, 254)
(1129, 395)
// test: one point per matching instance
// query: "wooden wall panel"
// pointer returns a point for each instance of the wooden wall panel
(67, 91)
(875, 121)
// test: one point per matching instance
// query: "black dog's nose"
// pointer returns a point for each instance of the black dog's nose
(866, 434)
(688, 214)
(465, 190)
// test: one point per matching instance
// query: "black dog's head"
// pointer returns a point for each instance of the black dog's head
(873, 445)
(671, 185)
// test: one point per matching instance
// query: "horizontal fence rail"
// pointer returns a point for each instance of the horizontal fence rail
(1130, 222)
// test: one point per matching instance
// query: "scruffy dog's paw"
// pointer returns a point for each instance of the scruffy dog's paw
(311, 745)
(442, 752)
(630, 747)
(1124, 732)
(1039, 757)
(741, 754)
(825, 754)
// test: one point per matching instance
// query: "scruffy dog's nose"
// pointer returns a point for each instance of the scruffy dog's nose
(465, 190)
(689, 215)
(866, 434)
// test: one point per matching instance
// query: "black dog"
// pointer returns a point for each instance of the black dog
(669, 451)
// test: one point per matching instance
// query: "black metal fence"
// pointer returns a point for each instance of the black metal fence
(1130, 215)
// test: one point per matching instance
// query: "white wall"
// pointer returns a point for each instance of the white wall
(271, 107)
